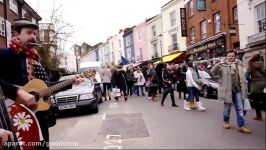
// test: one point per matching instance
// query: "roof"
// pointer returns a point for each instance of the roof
(32, 11)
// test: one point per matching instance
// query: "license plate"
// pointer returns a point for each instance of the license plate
(70, 106)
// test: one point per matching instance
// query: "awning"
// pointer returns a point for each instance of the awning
(169, 58)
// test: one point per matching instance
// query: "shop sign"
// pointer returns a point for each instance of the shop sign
(183, 22)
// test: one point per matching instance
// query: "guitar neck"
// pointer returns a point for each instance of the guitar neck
(48, 91)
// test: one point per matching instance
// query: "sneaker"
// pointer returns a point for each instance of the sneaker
(149, 97)
(244, 130)
(226, 125)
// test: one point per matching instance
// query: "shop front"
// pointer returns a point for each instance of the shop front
(209, 48)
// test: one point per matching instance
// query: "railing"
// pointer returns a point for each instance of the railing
(258, 37)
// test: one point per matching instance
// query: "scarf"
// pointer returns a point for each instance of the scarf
(19, 48)
(232, 66)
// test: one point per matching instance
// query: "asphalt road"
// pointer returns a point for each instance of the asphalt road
(142, 124)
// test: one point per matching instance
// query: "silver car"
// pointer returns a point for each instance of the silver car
(83, 96)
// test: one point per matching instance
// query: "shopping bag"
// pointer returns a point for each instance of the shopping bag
(247, 105)
(117, 93)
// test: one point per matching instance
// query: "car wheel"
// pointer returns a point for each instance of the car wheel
(205, 91)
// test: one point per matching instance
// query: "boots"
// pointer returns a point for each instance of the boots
(192, 104)
(186, 105)
(200, 107)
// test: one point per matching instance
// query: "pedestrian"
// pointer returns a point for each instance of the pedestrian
(130, 78)
(139, 85)
(256, 79)
(192, 87)
(120, 81)
(151, 82)
(181, 80)
(168, 84)
(232, 88)
(106, 80)
(21, 63)
(159, 68)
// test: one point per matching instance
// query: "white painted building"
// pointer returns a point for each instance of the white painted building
(104, 54)
(155, 37)
(252, 27)
(172, 27)
(68, 62)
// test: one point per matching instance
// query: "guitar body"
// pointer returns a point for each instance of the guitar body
(35, 86)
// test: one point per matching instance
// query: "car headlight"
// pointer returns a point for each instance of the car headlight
(86, 96)
(214, 85)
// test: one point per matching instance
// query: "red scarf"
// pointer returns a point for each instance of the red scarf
(30, 53)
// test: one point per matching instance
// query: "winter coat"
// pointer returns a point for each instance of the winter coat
(119, 78)
(167, 77)
(141, 80)
(223, 72)
(106, 76)
(256, 78)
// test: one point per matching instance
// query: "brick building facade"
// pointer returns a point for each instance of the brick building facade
(212, 27)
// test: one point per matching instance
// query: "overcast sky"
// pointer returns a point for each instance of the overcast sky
(95, 20)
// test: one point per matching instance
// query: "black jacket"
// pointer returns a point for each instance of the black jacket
(9, 90)
(167, 77)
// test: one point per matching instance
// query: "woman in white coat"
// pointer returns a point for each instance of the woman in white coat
(140, 80)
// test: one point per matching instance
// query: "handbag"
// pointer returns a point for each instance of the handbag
(117, 92)
(247, 105)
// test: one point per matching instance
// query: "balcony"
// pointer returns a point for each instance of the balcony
(173, 47)
(257, 38)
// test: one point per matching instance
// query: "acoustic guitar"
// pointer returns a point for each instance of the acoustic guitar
(40, 90)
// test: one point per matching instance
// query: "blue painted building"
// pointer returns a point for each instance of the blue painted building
(129, 45)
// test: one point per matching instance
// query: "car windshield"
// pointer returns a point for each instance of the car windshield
(204, 74)
(86, 82)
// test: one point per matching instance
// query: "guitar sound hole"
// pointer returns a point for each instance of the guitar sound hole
(36, 95)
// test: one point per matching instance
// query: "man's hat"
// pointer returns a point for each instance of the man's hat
(24, 23)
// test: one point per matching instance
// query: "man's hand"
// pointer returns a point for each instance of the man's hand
(4, 136)
(78, 80)
(27, 99)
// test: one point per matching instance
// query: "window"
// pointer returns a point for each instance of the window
(139, 36)
(190, 8)
(129, 53)
(13, 5)
(140, 53)
(235, 15)
(153, 31)
(113, 46)
(41, 33)
(217, 22)
(24, 13)
(261, 17)
(127, 41)
(192, 34)
(201, 5)
(173, 18)
(2, 29)
(203, 29)
(174, 41)
(154, 47)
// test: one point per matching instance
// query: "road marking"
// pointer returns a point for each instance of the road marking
(113, 142)
(113, 105)
(104, 115)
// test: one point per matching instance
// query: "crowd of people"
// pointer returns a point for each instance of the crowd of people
(21, 63)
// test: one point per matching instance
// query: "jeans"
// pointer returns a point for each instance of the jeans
(238, 103)
(192, 92)
(139, 87)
